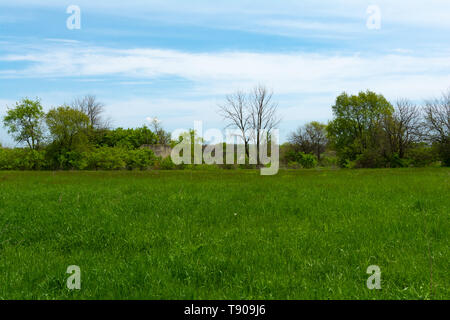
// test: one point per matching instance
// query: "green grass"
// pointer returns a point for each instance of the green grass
(225, 234)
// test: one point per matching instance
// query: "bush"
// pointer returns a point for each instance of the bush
(107, 158)
(422, 156)
(167, 164)
(443, 150)
(293, 165)
(347, 163)
(308, 161)
(370, 159)
(76, 160)
(22, 159)
(329, 161)
(395, 161)
(140, 159)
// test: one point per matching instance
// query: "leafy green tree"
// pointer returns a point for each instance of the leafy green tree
(25, 122)
(356, 128)
(68, 128)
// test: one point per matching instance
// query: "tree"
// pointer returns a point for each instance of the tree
(402, 127)
(128, 138)
(93, 109)
(437, 123)
(236, 111)
(25, 122)
(263, 117)
(311, 138)
(356, 127)
(68, 127)
(162, 136)
(252, 115)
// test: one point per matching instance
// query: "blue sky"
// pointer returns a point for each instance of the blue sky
(176, 60)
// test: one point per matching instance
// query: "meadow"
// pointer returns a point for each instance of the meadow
(225, 234)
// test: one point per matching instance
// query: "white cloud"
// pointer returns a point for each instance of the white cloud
(395, 74)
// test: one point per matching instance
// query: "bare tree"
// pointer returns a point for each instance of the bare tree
(437, 123)
(402, 127)
(91, 107)
(310, 138)
(156, 127)
(263, 117)
(235, 110)
(437, 118)
(252, 114)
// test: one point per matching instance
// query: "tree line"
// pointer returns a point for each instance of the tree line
(367, 131)
(75, 136)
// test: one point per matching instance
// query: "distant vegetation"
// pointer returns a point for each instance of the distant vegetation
(367, 131)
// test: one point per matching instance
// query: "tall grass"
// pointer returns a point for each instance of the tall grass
(225, 234)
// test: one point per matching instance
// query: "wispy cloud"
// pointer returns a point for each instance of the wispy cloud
(288, 73)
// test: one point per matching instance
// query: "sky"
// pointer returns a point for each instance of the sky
(177, 60)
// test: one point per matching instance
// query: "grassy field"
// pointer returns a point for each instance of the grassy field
(225, 234)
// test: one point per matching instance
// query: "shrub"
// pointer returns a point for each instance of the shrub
(106, 158)
(140, 159)
(22, 159)
(329, 161)
(370, 159)
(422, 156)
(308, 161)
(293, 165)
(443, 150)
(76, 160)
(394, 161)
(167, 164)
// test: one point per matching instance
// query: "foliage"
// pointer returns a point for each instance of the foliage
(22, 159)
(305, 160)
(68, 128)
(311, 138)
(162, 137)
(422, 155)
(24, 122)
(329, 161)
(356, 127)
(140, 159)
(166, 164)
(127, 138)
(106, 158)
(370, 158)
(293, 165)
(443, 149)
